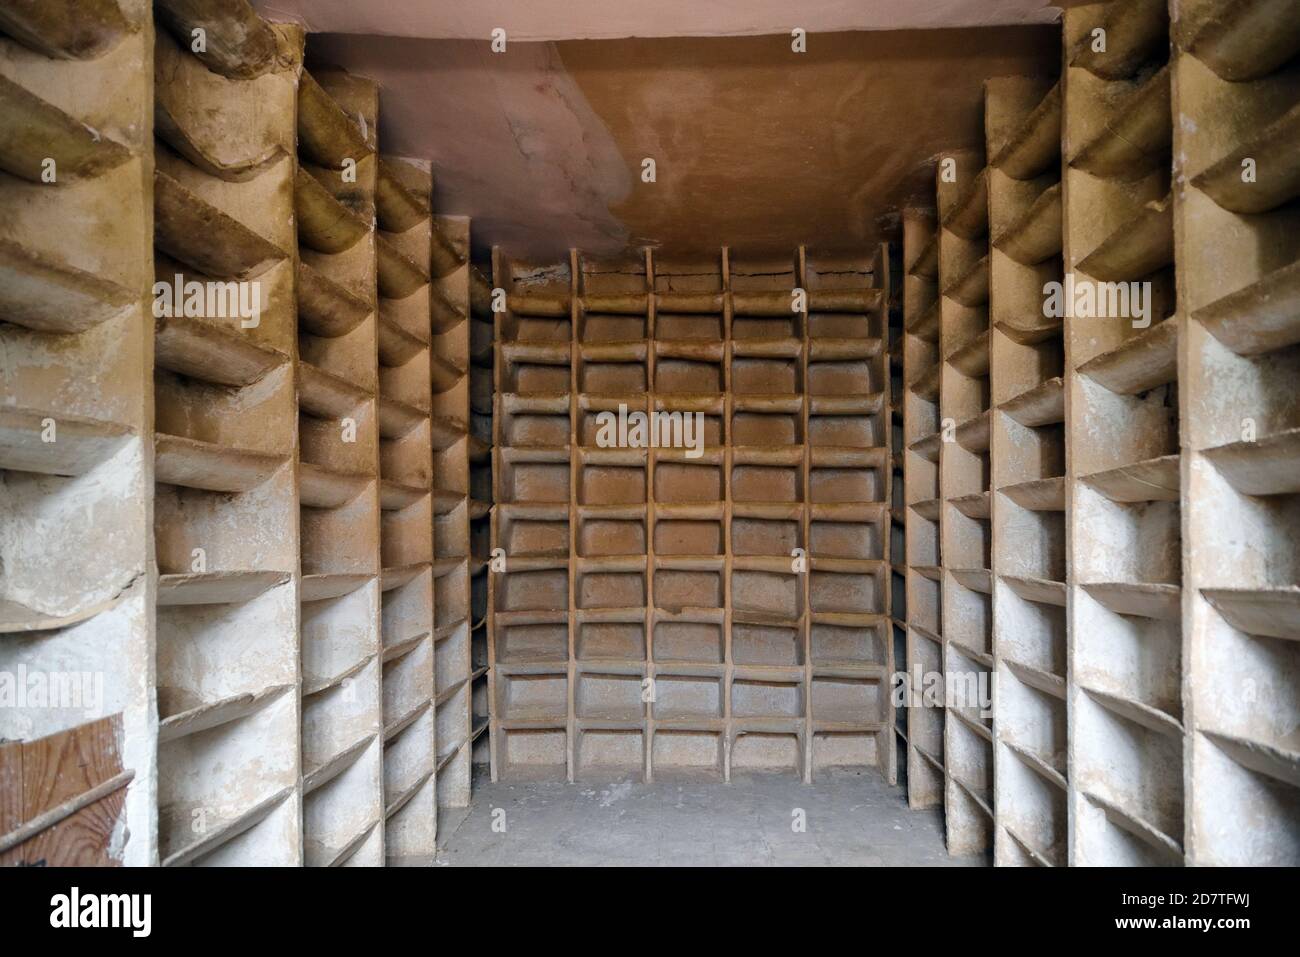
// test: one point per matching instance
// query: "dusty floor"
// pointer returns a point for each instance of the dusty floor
(853, 819)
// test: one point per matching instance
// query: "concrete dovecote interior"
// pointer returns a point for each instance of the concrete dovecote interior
(316, 517)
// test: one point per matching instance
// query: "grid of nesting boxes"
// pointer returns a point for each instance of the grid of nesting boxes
(312, 505)
(1099, 507)
(1125, 687)
(76, 597)
(1236, 100)
(384, 461)
(310, 467)
(711, 597)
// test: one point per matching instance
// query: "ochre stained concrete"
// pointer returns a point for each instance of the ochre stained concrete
(754, 145)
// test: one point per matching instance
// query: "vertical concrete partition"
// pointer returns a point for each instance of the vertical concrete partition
(688, 637)
(482, 392)
(76, 413)
(964, 528)
(1126, 666)
(1236, 86)
(529, 599)
(406, 372)
(343, 421)
(847, 516)
(920, 442)
(693, 607)
(896, 340)
(225, 498)
(1022, 117)
(454, 566)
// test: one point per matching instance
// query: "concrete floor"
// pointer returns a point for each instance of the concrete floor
(853, 819)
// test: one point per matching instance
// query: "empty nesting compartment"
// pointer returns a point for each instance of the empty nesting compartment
(849, 592)
(620, 378)
(841, 378)
(841, 325)
(538, 329)
(766, 593)
(524, 643)
(596, 327)
(687, 751)
(764, 327)
(532, 697)
(677, 483)
(687, 375)
(688, 536)
(612, 697)
(601, 537)
(604, 423)
(545, 589)
(765, 483)
(537, 482)
(750, 376)
(846, 700)
(687, 696)
(612, 485)
(533, 377)
(765, 536)
(845, 539)
(766, 428)
(688, 641)
(452, 659)
(766, 645)
(529, 748)
(450, 537)
(697, 327)
(841, 643)
(844, 749)
(839, 485)
(852, 431)
(533, 428)
(751, 698)
(528, 536)
(611, 750)
(622, 640)
(450, 597)
(697, 430)
(611, 590)
(766, 752)
(693, 588)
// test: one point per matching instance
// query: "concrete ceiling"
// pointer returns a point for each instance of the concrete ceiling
(755, 146)
(603, 19)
